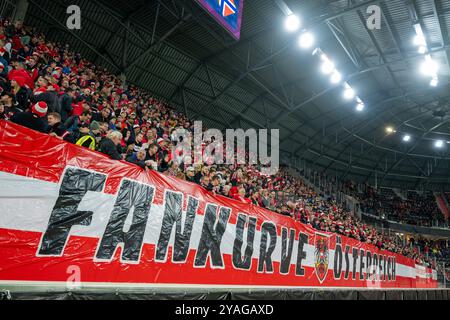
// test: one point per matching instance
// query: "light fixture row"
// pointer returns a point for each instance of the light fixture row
(429, 67)
(328, 67)
(306, 41)
(439, 144)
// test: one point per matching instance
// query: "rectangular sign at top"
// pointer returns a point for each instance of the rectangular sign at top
(227, 12)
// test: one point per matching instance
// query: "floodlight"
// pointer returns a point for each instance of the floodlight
(419, 40)
(422, 50)
(306, 40)
(292, 23)
(336, 77)
(390, 130)
(349, 93)
(429, 67)
(434, 82)
(327, 67)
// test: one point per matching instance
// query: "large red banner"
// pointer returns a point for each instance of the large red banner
(69, 214)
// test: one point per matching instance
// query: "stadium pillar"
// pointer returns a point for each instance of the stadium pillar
(21, 10)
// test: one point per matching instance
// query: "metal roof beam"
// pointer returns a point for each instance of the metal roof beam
(378, 144)
(405, 154)
(377, 47)
(351, 55)
(355, 74)
(314, 139)
(441, 27)
(160, 40)
(74, 34)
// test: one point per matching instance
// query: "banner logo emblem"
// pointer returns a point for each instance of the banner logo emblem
(228, 7)
(322, 245)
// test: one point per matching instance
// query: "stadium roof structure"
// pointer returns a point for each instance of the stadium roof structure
(177, 51)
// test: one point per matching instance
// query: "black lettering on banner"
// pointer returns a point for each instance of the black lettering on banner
(285, 263)
(239, 262)
(380, 266)
(375, 266)
(265, 253)
(361, 265)
(347, 262)
(384, 268)
(368, 264)
(132, 195)
(301, 254)
(394, 268)
(389, 268)
(211, 237)
(74, 186)
(173, 214)
(338, 259)
(355, 259)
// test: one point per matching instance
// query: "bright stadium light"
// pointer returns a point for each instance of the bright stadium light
(292, 23)
(429, 67)
(349, 93)
(327, 67)
(434, 82)
(390, 130)
(406, 138)
(360, 107)
(419, 40)
(336, 77)
(439, 144)
(306, 40)
(422, 50)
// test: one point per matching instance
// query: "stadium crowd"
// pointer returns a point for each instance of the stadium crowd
(46, 87)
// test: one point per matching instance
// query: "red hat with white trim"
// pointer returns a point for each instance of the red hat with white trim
(40, 91)
(2, 66)
(40, 109)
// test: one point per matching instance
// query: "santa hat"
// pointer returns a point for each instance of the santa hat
(40, 109)
(2, 66)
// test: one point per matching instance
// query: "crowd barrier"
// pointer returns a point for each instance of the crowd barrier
(73, 216)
